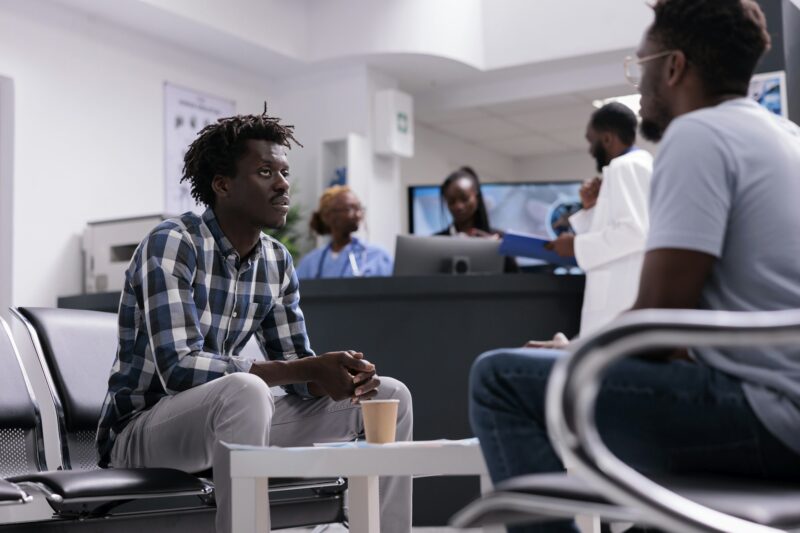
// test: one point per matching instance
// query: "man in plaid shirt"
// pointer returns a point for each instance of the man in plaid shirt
(197, 289)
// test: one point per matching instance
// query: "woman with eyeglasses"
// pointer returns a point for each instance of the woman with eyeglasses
(339, 215)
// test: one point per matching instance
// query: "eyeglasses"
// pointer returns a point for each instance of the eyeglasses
(359, 209)
(633, 66)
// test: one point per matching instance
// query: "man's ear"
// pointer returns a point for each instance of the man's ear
(677, 65)
(607, 138)
(220, 185)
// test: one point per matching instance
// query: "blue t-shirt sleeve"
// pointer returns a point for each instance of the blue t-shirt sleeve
(691, 190)
(384, 266)
(377, 262)
(307, 267)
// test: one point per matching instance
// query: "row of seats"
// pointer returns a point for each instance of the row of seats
(75, 350)
(599, 484)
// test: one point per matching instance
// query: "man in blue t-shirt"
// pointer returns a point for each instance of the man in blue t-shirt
(725, 186)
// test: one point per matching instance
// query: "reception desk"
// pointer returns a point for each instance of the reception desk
(426, 331)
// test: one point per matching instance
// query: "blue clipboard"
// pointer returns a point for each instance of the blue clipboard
(522, 245)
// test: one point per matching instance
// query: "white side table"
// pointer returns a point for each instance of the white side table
(362, 464)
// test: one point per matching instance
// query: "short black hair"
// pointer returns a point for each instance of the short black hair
(724, 39)
(618, 119)
(219, 146)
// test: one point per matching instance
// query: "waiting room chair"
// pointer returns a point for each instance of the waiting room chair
(11, 494)
(69, 492)
(76, 349)
(599, 483)
(19, 432)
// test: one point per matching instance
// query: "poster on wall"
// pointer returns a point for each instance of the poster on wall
(769, 90)
(186, 112)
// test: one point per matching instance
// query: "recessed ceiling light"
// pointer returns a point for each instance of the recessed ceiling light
(629, 100)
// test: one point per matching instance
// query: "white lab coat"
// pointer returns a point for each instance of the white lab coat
(610, 239)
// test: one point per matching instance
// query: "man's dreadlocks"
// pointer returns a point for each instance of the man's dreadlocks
(218, 147)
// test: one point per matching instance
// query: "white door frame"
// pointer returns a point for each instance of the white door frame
(6, 193)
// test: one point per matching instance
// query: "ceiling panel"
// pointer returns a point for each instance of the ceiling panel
(608, 92)
(527, 146)
(529, 128)
(511, 109)
(436, 118)
(488, 128)
(571, 138)
(572, 118)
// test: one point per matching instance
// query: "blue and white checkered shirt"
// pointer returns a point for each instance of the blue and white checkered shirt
(188, 307)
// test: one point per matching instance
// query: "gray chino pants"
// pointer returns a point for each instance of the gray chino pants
(183, 432)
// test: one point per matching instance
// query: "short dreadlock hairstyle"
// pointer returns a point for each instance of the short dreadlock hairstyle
(219, 146)
(724, 39)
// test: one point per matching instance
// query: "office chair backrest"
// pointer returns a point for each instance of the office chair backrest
(21, 446)
(76, 349)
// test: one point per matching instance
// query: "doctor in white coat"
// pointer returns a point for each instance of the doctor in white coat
(612, 227)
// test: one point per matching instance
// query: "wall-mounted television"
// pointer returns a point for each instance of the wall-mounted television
(540, 208)
(769, 90)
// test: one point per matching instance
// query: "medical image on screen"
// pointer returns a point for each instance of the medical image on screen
(537, 208)
(768, 90)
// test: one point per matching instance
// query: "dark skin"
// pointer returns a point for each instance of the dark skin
(343, 217)
(604, 146)
(671, 87)
(257, 197)
(589, 191)
(672, 278)
(461, 197)
(462, 202)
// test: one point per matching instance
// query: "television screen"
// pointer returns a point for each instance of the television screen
(537, 208)
(769, 90)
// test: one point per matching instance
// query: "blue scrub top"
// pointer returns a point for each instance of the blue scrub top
(370, 260)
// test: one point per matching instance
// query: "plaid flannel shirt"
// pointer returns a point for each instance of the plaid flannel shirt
(188, 307)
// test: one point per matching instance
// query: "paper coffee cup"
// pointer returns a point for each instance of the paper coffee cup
(380, 420)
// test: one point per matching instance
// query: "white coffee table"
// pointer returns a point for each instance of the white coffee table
(361, 464)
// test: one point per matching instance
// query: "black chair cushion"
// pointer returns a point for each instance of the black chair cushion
(10, 493)
(763, 502)
(116, 483)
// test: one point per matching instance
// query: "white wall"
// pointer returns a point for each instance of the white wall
(89, 132)
(324, 107)
(280, 25)
(518, 32)
(481, 34)
(568, 166)
(436, 155)
(450, 29)
(6, 192)
(329, 106)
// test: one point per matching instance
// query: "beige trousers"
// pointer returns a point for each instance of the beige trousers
(183, 432)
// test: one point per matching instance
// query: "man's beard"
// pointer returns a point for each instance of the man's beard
(651, 130)
(600, 156)
(654, 126)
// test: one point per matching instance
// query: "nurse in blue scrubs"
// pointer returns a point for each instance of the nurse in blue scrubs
(339, 215)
